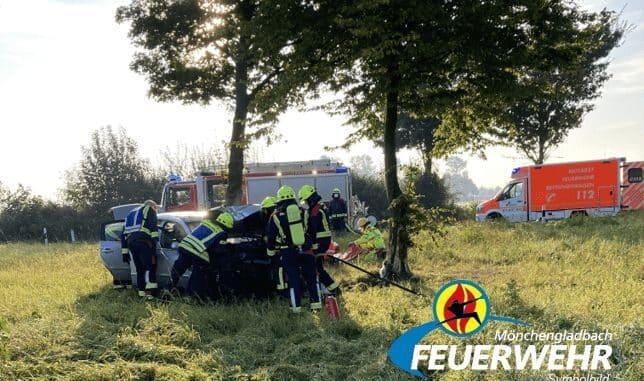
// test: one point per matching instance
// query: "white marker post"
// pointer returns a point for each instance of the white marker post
(72, 235)
(44, 234)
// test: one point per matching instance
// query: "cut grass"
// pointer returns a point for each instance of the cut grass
(60, 320)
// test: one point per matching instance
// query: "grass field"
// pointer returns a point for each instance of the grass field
(60, 320)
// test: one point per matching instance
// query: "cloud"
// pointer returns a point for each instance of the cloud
(628, 75)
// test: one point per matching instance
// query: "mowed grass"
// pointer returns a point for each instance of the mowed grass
(60, 320)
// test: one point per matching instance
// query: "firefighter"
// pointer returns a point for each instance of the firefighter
(269, 204)
(318, 232)
(268, 207)
(371, 241)
(212, 231)
(140, 237)
(337, 212)
(286, 232)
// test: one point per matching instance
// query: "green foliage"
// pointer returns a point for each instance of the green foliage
(110, 173)
(60, 320)
(556, 98)
(371, 190)
(23, 216)
(244, 53)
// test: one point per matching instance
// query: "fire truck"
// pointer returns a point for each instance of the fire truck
(557, 191)
(208, 188)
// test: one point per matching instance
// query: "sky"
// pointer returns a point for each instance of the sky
(64, 72)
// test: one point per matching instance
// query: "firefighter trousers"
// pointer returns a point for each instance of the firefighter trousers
(144, 257)
(198, 282)
(323, 275)
(297, 266)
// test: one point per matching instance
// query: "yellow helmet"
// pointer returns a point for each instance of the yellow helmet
(285, 193)
(226, 220)
(305, 192)
(269, 202)
(362, 222)
(336, 190)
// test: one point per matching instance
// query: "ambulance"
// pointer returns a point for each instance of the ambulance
(208, 189)
(557, 191)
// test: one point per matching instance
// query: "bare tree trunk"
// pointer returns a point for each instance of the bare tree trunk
(427, 152)
(427, 162)
(541, 157)
(237, 140)
(396, 262)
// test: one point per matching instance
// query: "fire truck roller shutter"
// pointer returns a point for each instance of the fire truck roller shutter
(258, 188)
(325, 185)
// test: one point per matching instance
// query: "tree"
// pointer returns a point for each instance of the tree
(184, 160)
(363, 166)
(418, 134)
(110, 173)
(456, 61)
(241, 52)
(561, 95)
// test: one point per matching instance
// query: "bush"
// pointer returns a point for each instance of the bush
(371, 190)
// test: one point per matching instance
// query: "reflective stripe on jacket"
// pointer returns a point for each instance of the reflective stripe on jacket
(278, 235)
(371, 239)
(318, 227)
(142, 219)
(205, 235)
(337, 208)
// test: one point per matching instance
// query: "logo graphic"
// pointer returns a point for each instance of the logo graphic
(461, 308)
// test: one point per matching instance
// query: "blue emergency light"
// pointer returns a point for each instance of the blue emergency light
(341, 170)
(515, 170)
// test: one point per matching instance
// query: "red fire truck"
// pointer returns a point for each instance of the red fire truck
(208, 189)
(556, 191)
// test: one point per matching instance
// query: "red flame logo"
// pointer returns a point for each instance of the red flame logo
(460, 295)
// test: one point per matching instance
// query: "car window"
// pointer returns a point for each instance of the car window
(635, 175)
(171, 232)
(193, 225)
(112, 231)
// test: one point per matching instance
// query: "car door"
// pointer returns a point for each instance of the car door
(110, 251)
(171, 232)
(513, 204)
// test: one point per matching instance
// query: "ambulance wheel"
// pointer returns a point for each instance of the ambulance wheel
(494, 217)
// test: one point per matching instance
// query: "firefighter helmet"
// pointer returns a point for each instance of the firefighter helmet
(362, 222)
(225, 219)
(285, 193)
(305, 192)
(150, 203)
(269, 202)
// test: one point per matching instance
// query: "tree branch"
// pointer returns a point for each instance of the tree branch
(260, 86)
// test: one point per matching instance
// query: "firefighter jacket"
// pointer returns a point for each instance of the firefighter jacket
(371, 239)
(278, 230)
(140, 224)
(337, 209)
(317, 224)
(205, 235)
